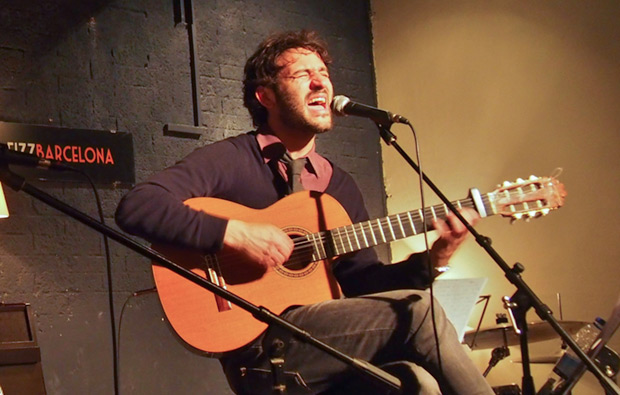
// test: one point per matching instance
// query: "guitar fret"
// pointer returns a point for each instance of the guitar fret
(421, 215)
(344, 249)
(317, 253)
(357, 241)
(412, 223)
(335, 236)
(389, 222)
(458, 203)
(372, 233)
(364, 234)
(381, 229)
(346, 232)
(327, 243)
(310, 238)
(318, 240)
(433, 212)
(332, 240)
(400, 224)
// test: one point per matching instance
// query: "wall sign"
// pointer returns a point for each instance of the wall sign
(106, 156)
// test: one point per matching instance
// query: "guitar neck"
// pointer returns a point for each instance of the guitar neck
(351, 238)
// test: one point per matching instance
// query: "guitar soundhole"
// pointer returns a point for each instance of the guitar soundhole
(302, 262)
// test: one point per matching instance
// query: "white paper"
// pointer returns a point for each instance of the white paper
(458, 297)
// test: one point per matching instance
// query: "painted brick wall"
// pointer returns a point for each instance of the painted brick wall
(123, 65)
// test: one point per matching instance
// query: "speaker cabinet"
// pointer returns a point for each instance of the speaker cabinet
(20, 356)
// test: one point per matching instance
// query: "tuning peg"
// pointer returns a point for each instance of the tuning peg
(519, 180)
(506, 184)
(533, 178)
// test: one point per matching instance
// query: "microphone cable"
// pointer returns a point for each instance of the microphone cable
(108, 274)
(426, 246)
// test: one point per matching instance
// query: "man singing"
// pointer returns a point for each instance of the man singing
(384, 317)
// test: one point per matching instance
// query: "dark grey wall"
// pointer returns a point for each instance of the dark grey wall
(123, 65)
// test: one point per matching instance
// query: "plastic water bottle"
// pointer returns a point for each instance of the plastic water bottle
(568, 365)
(585, 338)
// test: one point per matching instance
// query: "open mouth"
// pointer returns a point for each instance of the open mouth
(319, 103)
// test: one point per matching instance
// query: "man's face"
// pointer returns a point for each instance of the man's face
(303, 92)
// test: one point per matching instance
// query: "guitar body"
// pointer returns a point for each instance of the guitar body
(211, 324)
(321, 231)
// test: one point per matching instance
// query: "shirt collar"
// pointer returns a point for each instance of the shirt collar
(271, 148)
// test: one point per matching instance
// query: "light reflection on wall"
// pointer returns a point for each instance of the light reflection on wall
(500, 90)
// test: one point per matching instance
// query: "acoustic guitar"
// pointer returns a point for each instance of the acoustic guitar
(321, 231)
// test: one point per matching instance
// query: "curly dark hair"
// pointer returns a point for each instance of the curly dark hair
(261, 68)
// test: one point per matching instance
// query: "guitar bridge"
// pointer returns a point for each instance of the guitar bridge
(217, 279)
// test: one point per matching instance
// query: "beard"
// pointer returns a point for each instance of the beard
(293, 115)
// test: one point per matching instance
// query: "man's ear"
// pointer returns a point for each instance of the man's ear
(265, 96)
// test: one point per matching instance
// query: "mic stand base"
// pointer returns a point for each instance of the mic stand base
(276, 359)
(518, 305)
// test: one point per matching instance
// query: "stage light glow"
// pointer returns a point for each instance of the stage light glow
(4, 209)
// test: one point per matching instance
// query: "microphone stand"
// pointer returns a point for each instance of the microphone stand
(261, 313)
(523, 299)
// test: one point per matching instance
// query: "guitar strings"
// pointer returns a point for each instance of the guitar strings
(307, 246)
(304, 245)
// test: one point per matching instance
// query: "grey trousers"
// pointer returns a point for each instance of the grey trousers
(392, 330)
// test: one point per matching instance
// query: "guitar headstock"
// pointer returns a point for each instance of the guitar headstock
(531, 198)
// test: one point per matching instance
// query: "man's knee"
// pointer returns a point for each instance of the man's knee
(421, 310)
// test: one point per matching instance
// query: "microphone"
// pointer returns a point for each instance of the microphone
(342, 105)
(12, 157)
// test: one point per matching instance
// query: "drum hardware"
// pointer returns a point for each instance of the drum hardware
(592, 339)
(498, 353)
(499, 335)
(519, 332)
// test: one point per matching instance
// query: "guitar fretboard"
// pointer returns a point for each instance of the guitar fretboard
(350, 238)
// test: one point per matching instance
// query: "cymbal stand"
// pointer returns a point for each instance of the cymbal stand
(498, 353)
(486, 299)
(517, 306)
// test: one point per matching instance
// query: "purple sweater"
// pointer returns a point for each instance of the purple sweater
(234, 170)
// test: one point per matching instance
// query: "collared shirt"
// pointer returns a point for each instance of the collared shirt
(233, 169)
(315, 175)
